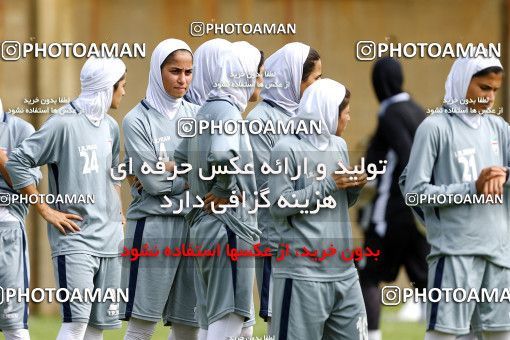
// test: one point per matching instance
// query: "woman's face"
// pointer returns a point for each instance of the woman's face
(258, 86)
(118, 94)
(177, 74)
(483, 87)
(343, 118)
(313, 76)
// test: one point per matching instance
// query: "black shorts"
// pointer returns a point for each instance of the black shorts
(402, 245)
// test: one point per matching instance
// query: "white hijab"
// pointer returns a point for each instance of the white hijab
(206, 69)
(98, 75)
(156, 95)
(458, 81)
(287, 66)
(320, 102)
(237, 76)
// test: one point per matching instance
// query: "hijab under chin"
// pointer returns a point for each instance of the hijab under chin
(458, 82)
(206, 69)
(285, 68)
(321, 102)
(156, 95)
(97, 77)
(238, 75)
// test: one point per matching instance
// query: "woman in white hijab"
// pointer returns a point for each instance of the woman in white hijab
(84, 237)
(206, 67)
(163, 285)
(168, 82)
(221, 279)
(457, 88)
(238, 71)
(289, 71)
(103, 82)
(13, 241)
(316, 298)
(100, 79)
(322, 103)
(463, 151)
(206, 70)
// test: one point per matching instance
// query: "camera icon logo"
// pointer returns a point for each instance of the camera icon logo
(365, 50)
(197, 29)
(391, 295)
(411, 199)
(186, 127)
(5, 200)
(11, 50)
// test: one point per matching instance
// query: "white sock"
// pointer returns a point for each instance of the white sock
(16, 334)
(183, 332)
(139, 329)
(228, 326)
(72, 331)
(268, 326)
(93, 333)
(496, 335)
(247, 332)
(202, 334)
(435, 335)
(374, 334)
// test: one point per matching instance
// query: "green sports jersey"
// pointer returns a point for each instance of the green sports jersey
(80, 157)
(446, 159)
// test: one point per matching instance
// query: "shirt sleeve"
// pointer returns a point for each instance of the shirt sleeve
(115, 151)
(26, 132)
(352, 193)
(261, 145)
(42, 147)
(508, 156)
(281, 186)
(224, 147)
(141, 151)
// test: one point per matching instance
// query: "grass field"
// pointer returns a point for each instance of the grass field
(42, 328)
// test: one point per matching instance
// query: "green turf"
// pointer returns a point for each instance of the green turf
(397, 330)
(47, 328)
